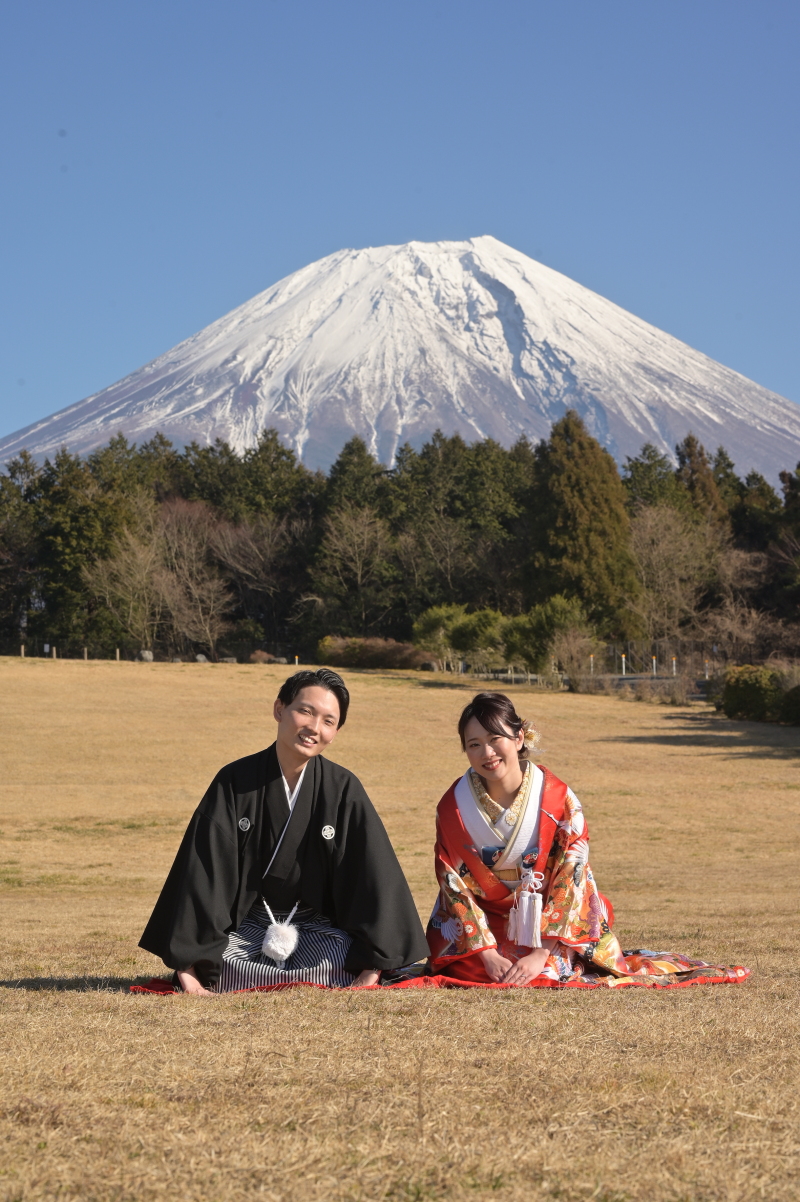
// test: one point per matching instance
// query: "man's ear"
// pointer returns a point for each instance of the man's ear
(277, 709)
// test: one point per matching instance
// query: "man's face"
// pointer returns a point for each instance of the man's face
(309, 723)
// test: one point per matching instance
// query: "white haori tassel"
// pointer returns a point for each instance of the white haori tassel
(525, 918)
(281, 938)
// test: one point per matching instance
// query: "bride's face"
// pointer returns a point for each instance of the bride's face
(494, 757)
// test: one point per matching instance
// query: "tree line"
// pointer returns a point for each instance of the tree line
(467, 549)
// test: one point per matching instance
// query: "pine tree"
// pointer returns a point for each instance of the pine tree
(728, 484)
(78, 521)
(580, 526)
(695, 475)
(790, 485)
(756, 518)
(356, 478)
(649, 479)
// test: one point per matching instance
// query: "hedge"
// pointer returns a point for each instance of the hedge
(752, 693)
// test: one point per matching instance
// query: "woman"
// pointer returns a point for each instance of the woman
(518, 903)
(286, 875)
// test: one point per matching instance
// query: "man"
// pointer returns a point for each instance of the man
(286, 857)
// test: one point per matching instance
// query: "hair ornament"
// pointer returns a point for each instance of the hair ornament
(531, 736)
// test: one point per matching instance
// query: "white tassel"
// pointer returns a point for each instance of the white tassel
(525, 918)
(281, 938)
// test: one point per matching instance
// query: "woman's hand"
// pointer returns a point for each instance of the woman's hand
(496, 965)
(367, 976)
(527, 968)
(190, 983)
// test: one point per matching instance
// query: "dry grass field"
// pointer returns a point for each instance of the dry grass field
(402, 1095)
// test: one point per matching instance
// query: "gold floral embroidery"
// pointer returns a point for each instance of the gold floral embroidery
(492, 809)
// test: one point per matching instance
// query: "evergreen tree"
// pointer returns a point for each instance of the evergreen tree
(114, 465)
(275, 482)
(581, 531)
(649, 479)
(158, 467)
(266, 479)
(790, 483)
(728, 484)
(78, 521)
(19, 547)
(695, 475)
(356, 478)
(214, 474)
(756, 516)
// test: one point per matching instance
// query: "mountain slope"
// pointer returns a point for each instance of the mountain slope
(395, 341)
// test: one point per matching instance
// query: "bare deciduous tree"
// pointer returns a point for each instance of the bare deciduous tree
(572, 649)
(129, 580)
(196, 597)
(447, 544)
(675, 561)
(249, 552)
(741, 631)
(354, 563)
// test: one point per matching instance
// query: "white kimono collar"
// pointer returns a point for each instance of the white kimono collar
(484, 834)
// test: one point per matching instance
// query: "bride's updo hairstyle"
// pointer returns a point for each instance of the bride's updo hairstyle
(496, 713)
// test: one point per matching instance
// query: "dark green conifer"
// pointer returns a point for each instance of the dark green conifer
(356, 478)
(649, 479)
(790, 484)
(695, 475)
(730, 487)
(756, 517)
(580, 526)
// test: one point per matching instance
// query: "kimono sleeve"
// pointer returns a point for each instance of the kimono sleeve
(457, 927)
(573, 911)
(372, 900)
(196, 909)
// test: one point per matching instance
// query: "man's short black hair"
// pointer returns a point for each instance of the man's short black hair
(323, 678)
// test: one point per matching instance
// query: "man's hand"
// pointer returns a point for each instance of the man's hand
(367, 976)
(527, 968)
(495, 964)
(190, 983)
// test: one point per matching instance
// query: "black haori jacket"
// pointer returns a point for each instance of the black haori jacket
(335, 857)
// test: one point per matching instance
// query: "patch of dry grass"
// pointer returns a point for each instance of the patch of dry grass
(397, 1095)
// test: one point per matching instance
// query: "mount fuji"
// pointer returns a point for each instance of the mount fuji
(393, 342)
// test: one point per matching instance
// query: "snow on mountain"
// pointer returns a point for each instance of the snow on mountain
(392, 342)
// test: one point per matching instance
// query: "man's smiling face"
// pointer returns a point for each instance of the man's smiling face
(308, 724)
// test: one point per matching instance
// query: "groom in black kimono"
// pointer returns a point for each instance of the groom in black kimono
(286, 827)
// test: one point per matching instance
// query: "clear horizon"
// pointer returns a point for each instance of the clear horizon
(164, 165)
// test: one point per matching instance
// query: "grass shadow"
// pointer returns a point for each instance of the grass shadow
(713, 732)
(479, 685)
(74, 984)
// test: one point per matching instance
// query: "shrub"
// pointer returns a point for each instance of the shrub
(368, 653)
(789, 711)
(262, 657)
(433, 629)
(674, 691)
(751, 692)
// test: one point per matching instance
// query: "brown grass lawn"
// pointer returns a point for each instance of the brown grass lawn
(690, 1094)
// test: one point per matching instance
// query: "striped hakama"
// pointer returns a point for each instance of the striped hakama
(318, 958)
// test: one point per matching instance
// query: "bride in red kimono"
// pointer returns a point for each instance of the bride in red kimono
(518, 903)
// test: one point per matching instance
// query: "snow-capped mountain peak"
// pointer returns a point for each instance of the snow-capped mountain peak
(393, 342)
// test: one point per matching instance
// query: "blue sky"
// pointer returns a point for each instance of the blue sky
(163, 162)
